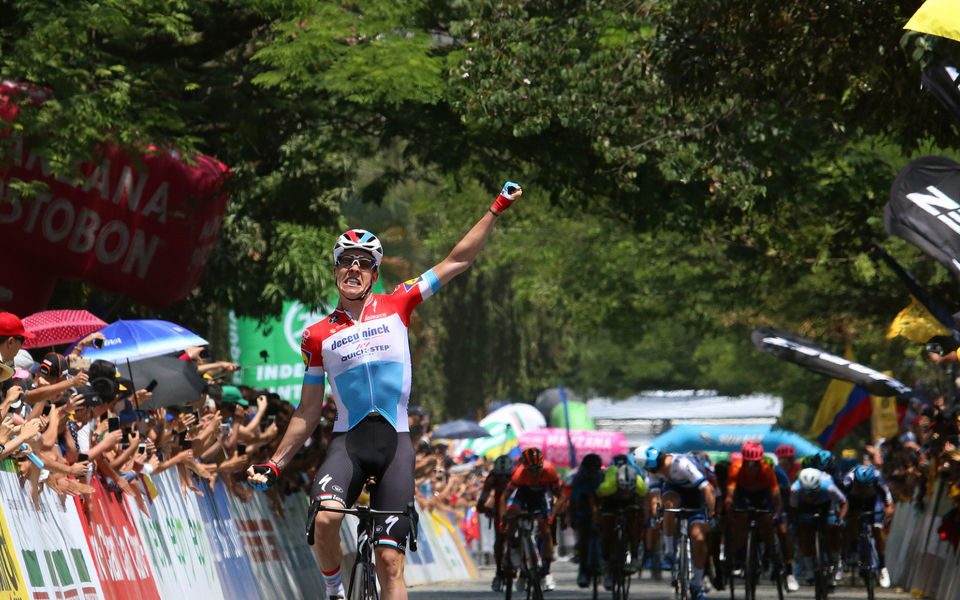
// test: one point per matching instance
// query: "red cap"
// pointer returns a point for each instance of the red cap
(10, 324)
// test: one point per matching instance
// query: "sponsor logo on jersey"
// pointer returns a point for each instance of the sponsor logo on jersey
(333, 319)
(411, 283)
(306, 357)
(324, 481)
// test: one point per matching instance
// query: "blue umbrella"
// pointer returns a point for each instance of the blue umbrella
(142, 338)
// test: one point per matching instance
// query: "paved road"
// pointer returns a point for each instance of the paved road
(644, 589)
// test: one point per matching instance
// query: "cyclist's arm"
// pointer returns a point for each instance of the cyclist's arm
(777, 501)
(467, 249)
(304, 420)
(710, 496)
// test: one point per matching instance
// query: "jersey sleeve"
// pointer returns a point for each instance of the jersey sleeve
(770, 478)
(609, 483)
(733, 476)
(409, 294)
(641, 488)
(835, 494)
(311, 352)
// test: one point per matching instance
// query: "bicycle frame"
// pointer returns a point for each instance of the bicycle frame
(868, 557)
(683, 563)
(618, 568)
(363, 576)
(529, 566)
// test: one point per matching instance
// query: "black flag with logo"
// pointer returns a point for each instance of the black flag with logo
(943, 81)
(924, 209)
(800, 351)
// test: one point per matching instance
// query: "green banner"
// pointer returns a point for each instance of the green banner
(270, 353)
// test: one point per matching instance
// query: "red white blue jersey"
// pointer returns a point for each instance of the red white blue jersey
(367, 361)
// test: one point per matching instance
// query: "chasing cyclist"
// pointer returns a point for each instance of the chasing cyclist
(496, 483)
(622, 490)
(364, 351)
(579, 488)
(752, 484)
(533, 488)
(867, 492)
(815, 493)
(680, 482)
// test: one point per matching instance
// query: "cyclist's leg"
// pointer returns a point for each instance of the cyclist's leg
(804, 531)
(394, 492)
(671, 499)
(635, 525)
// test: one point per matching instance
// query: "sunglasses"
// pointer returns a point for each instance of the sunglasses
(364, 262)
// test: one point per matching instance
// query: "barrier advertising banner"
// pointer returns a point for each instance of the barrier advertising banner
(118, 552)
(52, 551)
(264, 548)
(12, 585)
(233, 567)
(178, 547)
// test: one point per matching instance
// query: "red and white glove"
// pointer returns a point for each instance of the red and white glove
(510, 192)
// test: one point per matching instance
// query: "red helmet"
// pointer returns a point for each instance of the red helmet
(785, 451)
(532, 457)
(752, 451)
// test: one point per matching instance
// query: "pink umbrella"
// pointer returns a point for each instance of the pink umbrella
(553, 442)
(54, 327)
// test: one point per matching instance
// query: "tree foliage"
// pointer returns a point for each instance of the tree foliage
(692, 169)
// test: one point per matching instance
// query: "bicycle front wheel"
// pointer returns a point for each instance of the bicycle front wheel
(683, 578)
(752, 569)
(821, 574)
(363, 582)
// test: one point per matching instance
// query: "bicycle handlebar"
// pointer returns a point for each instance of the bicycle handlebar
(364, 513)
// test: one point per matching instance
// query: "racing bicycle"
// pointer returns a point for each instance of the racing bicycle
(363, 576)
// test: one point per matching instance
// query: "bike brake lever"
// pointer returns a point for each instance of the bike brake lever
(312, 520)
(414, 525)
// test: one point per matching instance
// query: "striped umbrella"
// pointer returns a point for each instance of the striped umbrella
(505, 425)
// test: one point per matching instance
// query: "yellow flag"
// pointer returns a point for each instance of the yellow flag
(937, 17)
(916, 324)
(883, 419)
(833, 401)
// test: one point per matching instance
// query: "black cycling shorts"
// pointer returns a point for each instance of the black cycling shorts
(371, 449)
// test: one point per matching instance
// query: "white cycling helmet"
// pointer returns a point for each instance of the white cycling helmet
(358, 239)
(809, 479)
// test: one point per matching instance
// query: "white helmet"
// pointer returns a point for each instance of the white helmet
(639, 455)
(358, 239)
(809, 479)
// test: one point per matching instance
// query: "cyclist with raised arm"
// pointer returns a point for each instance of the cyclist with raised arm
(678, 481)
(533, 488)
(364, 351)
(866, 492)
(811, 494)
(623, 490)
(579, 488)
(496, 483)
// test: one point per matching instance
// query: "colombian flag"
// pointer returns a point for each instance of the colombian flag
(844, 406)
(856, 409)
